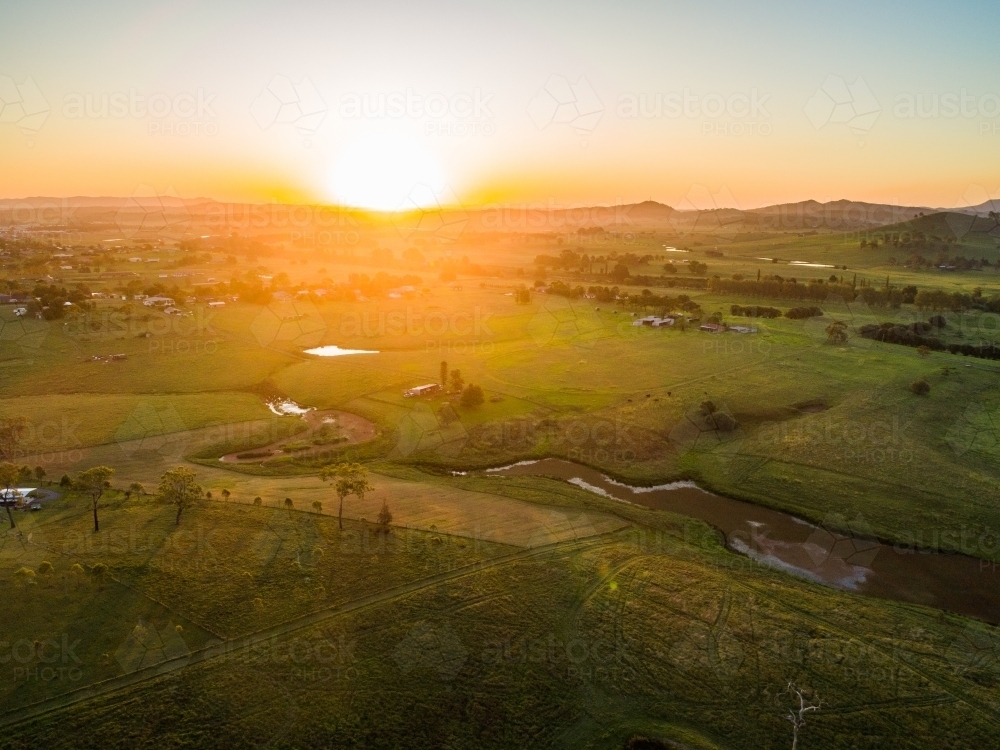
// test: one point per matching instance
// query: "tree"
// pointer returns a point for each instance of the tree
(39, 473)
(25, 577)
(444, 374)
(836, 333)
(347, 479)
(8, 485)
(45, 569)
(288, 504)
(135, 489)
(798, 717)
(384, 517)
(99, 572)
(226, 494)
(94, 481)
(65, 482)
(317, 506)
(257, 500)
(456, 381)
(177, 487)
(11, 429)
(472, 396)
(708, 410)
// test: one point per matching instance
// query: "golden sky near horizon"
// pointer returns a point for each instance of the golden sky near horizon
(392, 104)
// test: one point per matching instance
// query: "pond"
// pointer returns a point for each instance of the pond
(954, 582)
(335, 351)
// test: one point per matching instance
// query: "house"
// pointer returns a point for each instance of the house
(653, 321)
(216, 303)
(711, 328)
(158, 301)
(422, 390)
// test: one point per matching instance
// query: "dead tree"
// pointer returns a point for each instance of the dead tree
(798, 718)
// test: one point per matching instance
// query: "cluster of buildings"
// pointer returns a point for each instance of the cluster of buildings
(654, 321)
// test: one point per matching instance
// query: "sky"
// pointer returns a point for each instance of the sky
(390, 104)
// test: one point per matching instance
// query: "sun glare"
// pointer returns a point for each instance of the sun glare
(386, 173)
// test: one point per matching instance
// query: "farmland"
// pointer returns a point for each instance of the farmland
(502, 612)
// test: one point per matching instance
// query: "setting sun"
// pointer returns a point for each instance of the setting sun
(385, 172)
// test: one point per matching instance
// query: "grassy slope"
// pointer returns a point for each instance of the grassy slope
(581, 645)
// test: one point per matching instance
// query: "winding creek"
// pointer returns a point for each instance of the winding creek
(954, 582)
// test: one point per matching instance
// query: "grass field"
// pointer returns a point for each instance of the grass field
(497, 613)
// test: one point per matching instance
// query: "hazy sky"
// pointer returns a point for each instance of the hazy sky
(562, 103)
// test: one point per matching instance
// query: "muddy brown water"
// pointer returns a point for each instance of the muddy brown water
(955, 582)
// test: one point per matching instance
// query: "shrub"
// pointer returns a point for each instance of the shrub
(920, 387)
(257, 500)
(472, 396)
(384, 517)
(798, 313)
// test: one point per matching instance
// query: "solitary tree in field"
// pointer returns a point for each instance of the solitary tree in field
(798, 717)
(347, 479)
(177, 487)
(8, 486)
(94, 481)
(836, 332)
(226, 494)
(384, 517)
(472, 396)
(135, 489)
(39, 473)
(11, 429)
